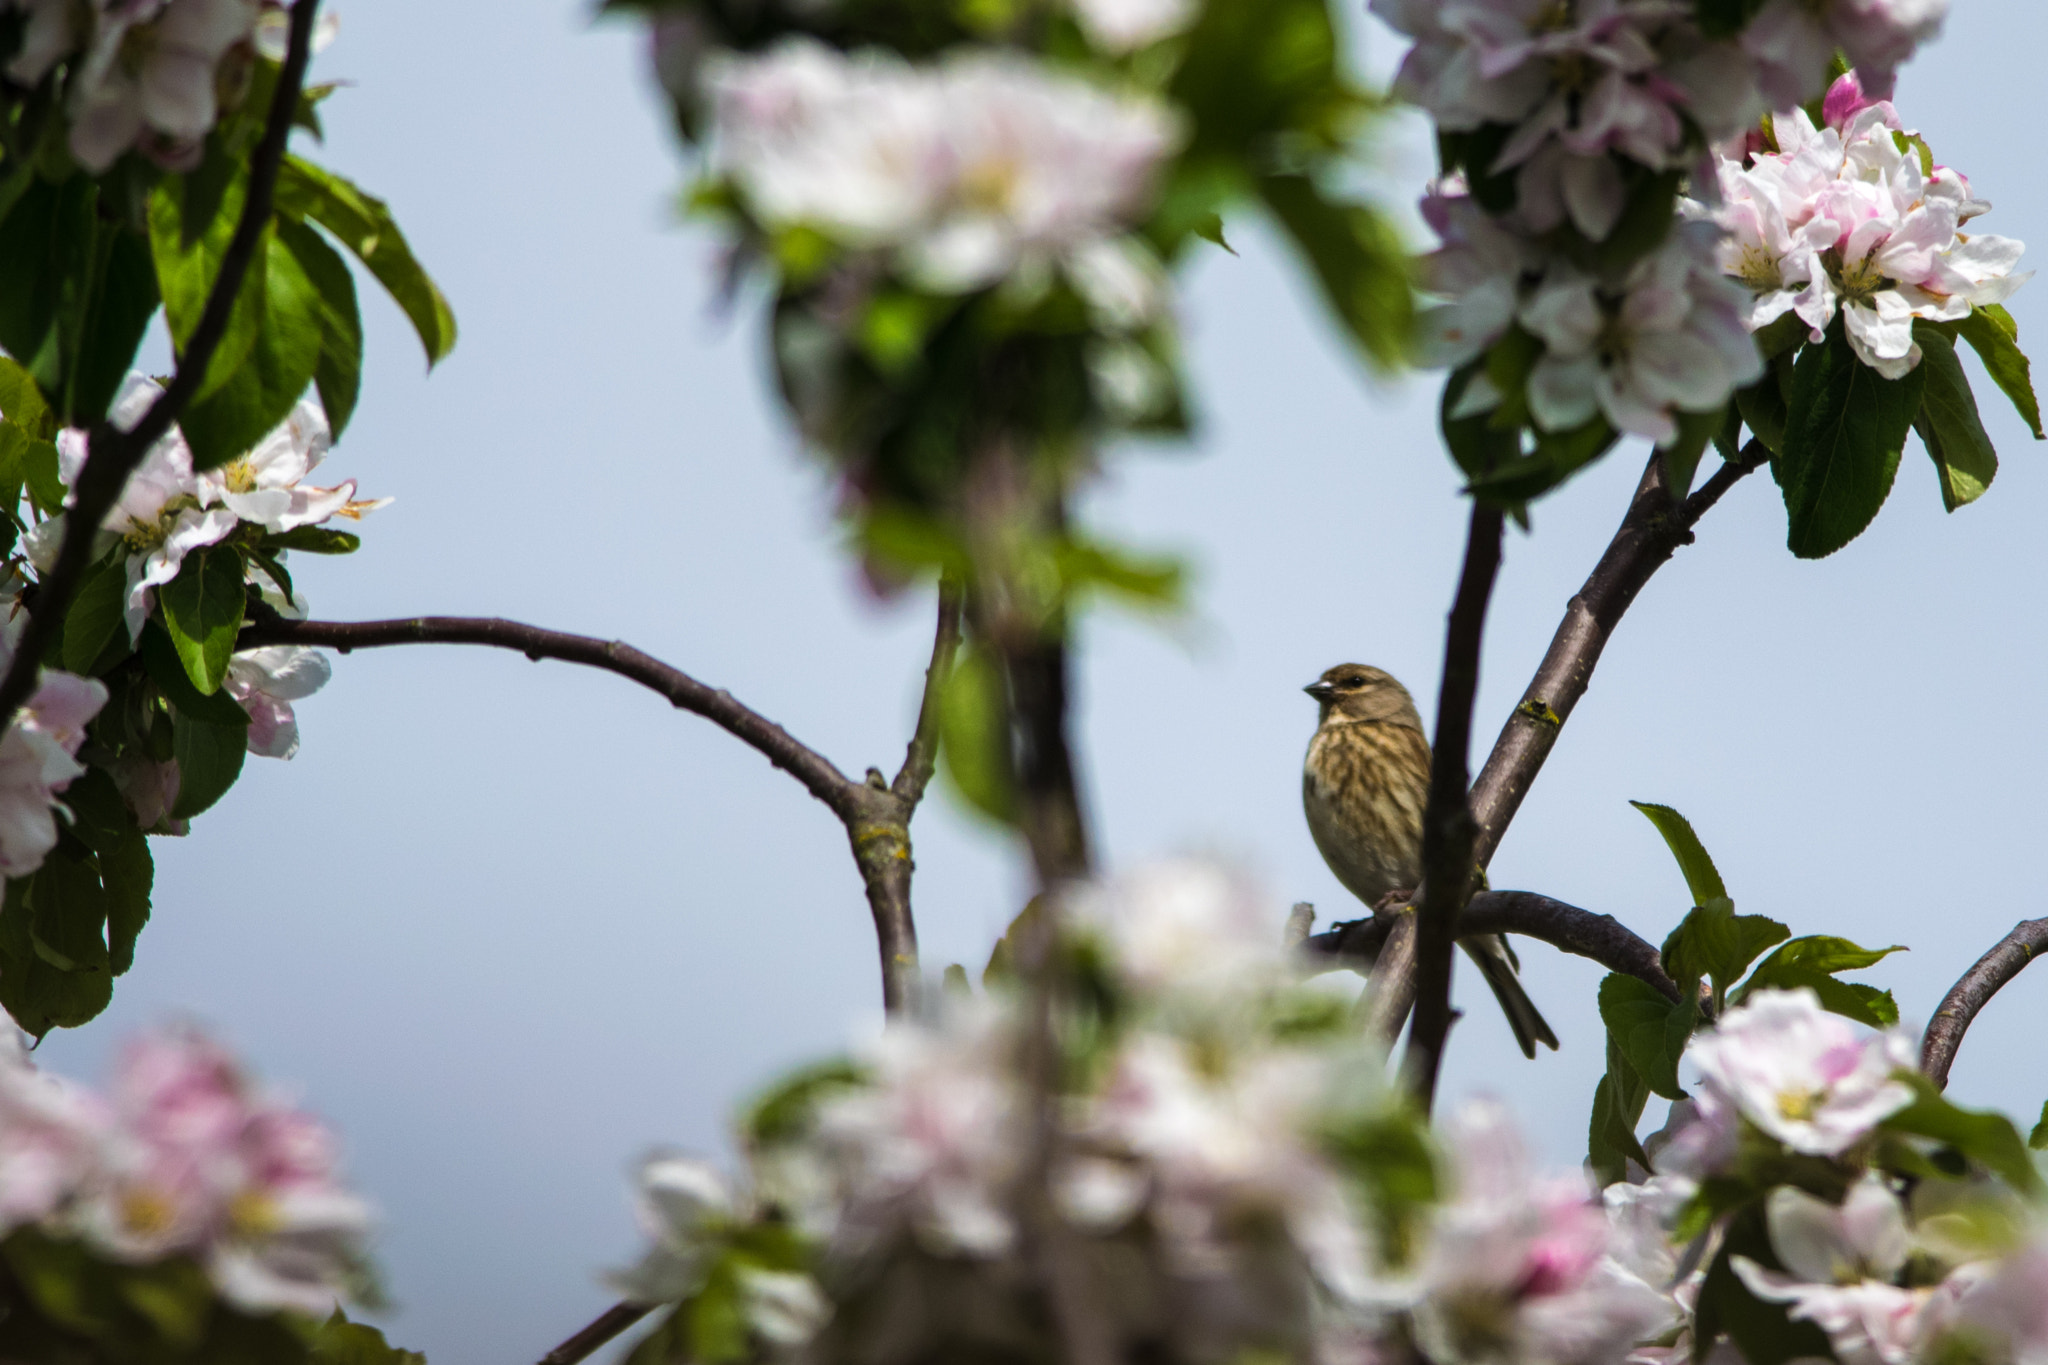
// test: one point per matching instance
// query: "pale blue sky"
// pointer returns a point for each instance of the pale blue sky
(508, 925)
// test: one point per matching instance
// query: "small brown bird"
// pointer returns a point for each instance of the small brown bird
(1364, 787)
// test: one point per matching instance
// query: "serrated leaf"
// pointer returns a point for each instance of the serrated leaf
(1640, 1022)
(1714, 942)
(2038, 1139)
(1993, 334)
(364, 225)
(1845, 430)
(1812, 962)
(1949, 425)
(202, 610)
(1702, 879)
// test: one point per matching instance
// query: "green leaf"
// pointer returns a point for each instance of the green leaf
(1845, 429)
(22, 403)
(1714, 942)
(1209, 228)
(1949, 425)
(209, 760)
(1812, 962)
(161, 662)
(364, 225)
(1645, 1026)
(46, 243)
(95, 615)
(40, 472)
(202, 610)
(1356, 259)
(111, 328)
(187, 264)
(1701, 877)
(281, 362)
(1762, 405)
(59, 905)
(974, 738)
(1991, 331)
(783, 1113)
(2038, 1139)
(1988, 1139)
(1476, 444)
(1618, 1102)
(339, 374)
(341, 1342)
(314, 540)
(1682, 457)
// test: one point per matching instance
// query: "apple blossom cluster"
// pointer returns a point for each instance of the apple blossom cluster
(1898, 1261)
(1229, 1168)
(141, 74)
(186, 1157)
(1854, 218)
(1564, 120)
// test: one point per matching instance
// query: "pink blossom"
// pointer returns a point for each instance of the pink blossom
(51, 1134)
(38, 761)
(266, 682)
(148, 78)
(1805, 1077)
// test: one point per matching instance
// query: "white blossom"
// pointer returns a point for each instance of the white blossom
(1846, 218)
(1520, 1268)
(149, 75)
(49, 35)
(1184, 925)
(1118, 26)
(38, 760)
(1806, 1077)
(681, 1205)
(1667, 337)
(966, 170)
(265, 682)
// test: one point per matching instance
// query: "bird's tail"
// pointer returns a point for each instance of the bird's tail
(1491, 955)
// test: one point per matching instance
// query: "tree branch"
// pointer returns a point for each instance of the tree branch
(1390, 987)
(1973, 992)
(111, 453)
(921, 759)
(716, 705)
(602, 1329)
(876, 818)
(1448, 829)
(1649, 535)
(1603, 938)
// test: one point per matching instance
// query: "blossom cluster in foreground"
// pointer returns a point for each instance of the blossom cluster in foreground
(1855, 218)
(184, 1156)
(1228, 1172)
(964, 171)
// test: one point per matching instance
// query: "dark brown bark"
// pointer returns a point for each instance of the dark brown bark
(111, 453)
(1603, 938)
(1448, 829)
(1649, 535)
(1970, 994)
(1390, 986)
(602, 1329)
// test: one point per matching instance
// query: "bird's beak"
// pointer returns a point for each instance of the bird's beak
(1320, 690)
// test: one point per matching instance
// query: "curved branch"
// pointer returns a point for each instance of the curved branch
(111, 453)
(716, 705)
(1967, 998)
(1649, 535)
(1603, 938)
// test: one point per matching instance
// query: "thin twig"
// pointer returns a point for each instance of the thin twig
(806, 765)
(1973, 992)
(602, 1328)
(1603, 938)
(1649, 535)
(1448, 829)
(922, 757)
(111, 453)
